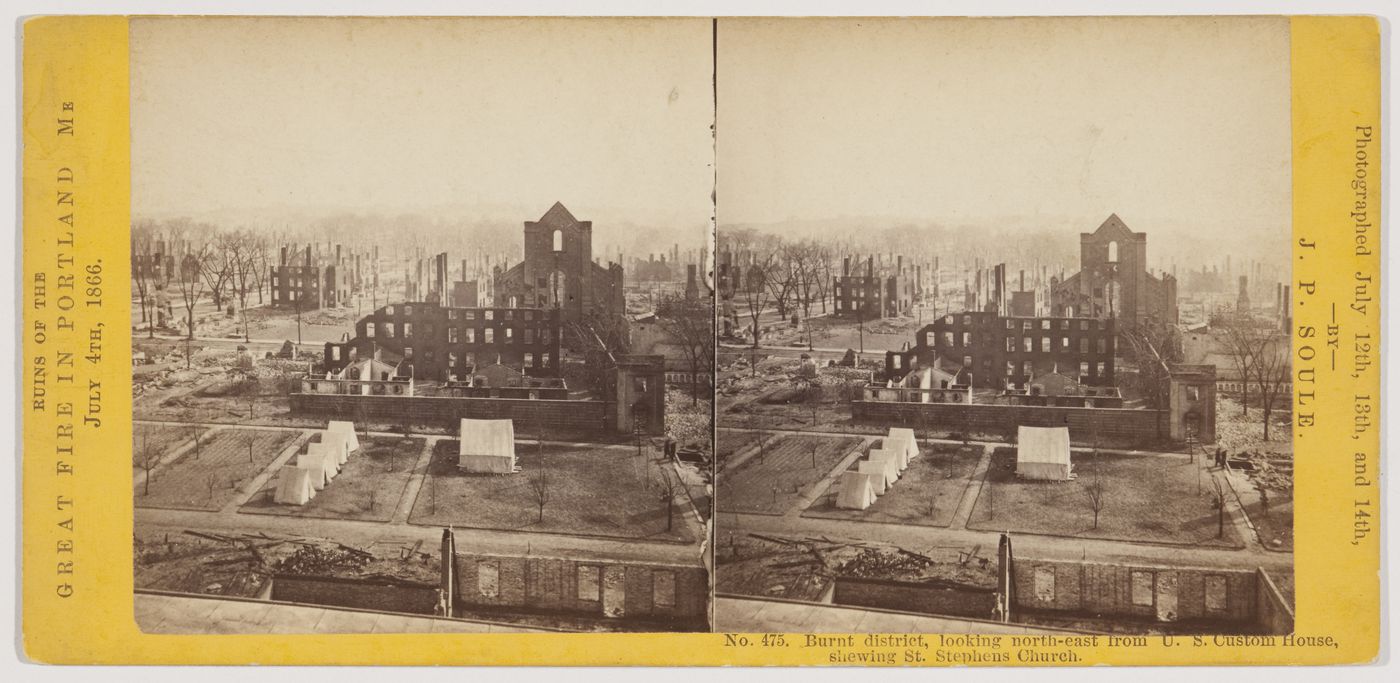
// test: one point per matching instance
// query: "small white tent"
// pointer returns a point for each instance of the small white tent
(878, 481)
(347, 429)
(294, 486)
(905, 435)
(899, 448)
(856, 491)
(319, 462)
(337, 444)
(1043, 453)
(487, 446)
(888, 460)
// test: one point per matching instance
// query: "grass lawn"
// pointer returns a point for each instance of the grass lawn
(774, 479)
(1147, 498)
(210, 478)
(939, 476)
(368, 487)
(593, 491)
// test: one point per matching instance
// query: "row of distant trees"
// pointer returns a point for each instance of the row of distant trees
(775, 273)
(223, 265)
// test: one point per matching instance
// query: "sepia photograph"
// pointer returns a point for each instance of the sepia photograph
(422, 324)
(1004, 320)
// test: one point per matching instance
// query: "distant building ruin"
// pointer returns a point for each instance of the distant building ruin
(1001, 352)
(882, 293)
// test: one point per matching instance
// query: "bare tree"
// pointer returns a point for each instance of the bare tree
(250, 438)
(541, 489)
(824, 272)
(211, 482)
(197, 432)
(668, 485)
(1151, 348)
(146, 457)
(244, 266)
(191, 288)
(1240, 339)
(690, 325)
(260, 255)
(780, 277)
(217, 268)
(1095, 492)
(250, 388)
(1219, 502)
(755, 293)
(1272, 373)
(142, 267)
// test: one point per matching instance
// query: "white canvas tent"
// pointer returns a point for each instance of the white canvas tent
(294, 486)
(877, 472)
(856, 492)
(904, 435)
(347, 429)
(899, 448)
(336, 443)
(1043, 453)
(333, 452)
(319, 462)
(487, 446)
(889, 460)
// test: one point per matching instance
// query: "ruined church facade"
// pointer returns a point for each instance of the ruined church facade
(1113, 280)
(558, 271)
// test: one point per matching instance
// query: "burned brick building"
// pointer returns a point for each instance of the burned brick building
(1003, 352)
(1113, 280)
(559, 271)
(444, 343)
(874, 294)
(316, 282)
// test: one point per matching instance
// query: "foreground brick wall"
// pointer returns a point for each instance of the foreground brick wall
(1114, 426)
(543, 584)
(1274, 613)
(915, 597)
(570, 417)
(1137, 591)
(380, 596)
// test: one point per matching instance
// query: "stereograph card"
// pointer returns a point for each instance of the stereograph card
(693, 341)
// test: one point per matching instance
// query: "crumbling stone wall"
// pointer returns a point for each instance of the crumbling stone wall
(1158, 593)
(553, 585)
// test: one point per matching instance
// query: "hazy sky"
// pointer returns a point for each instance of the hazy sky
(1180, 126)
(406, 115)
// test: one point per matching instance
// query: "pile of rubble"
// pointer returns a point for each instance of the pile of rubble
(318, 561)
(241, 564)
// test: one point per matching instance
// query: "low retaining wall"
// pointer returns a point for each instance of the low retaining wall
(569, 417)
(379, 596)
(1113, 425)
(673, 596)
(903, 596)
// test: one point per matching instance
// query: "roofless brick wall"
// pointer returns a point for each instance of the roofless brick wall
(569, 417)
(1113, 425)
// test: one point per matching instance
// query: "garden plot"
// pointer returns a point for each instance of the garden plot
(209, 477)
(781, 472)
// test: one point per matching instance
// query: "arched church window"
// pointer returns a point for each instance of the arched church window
(1113, 252)
(559, 240)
